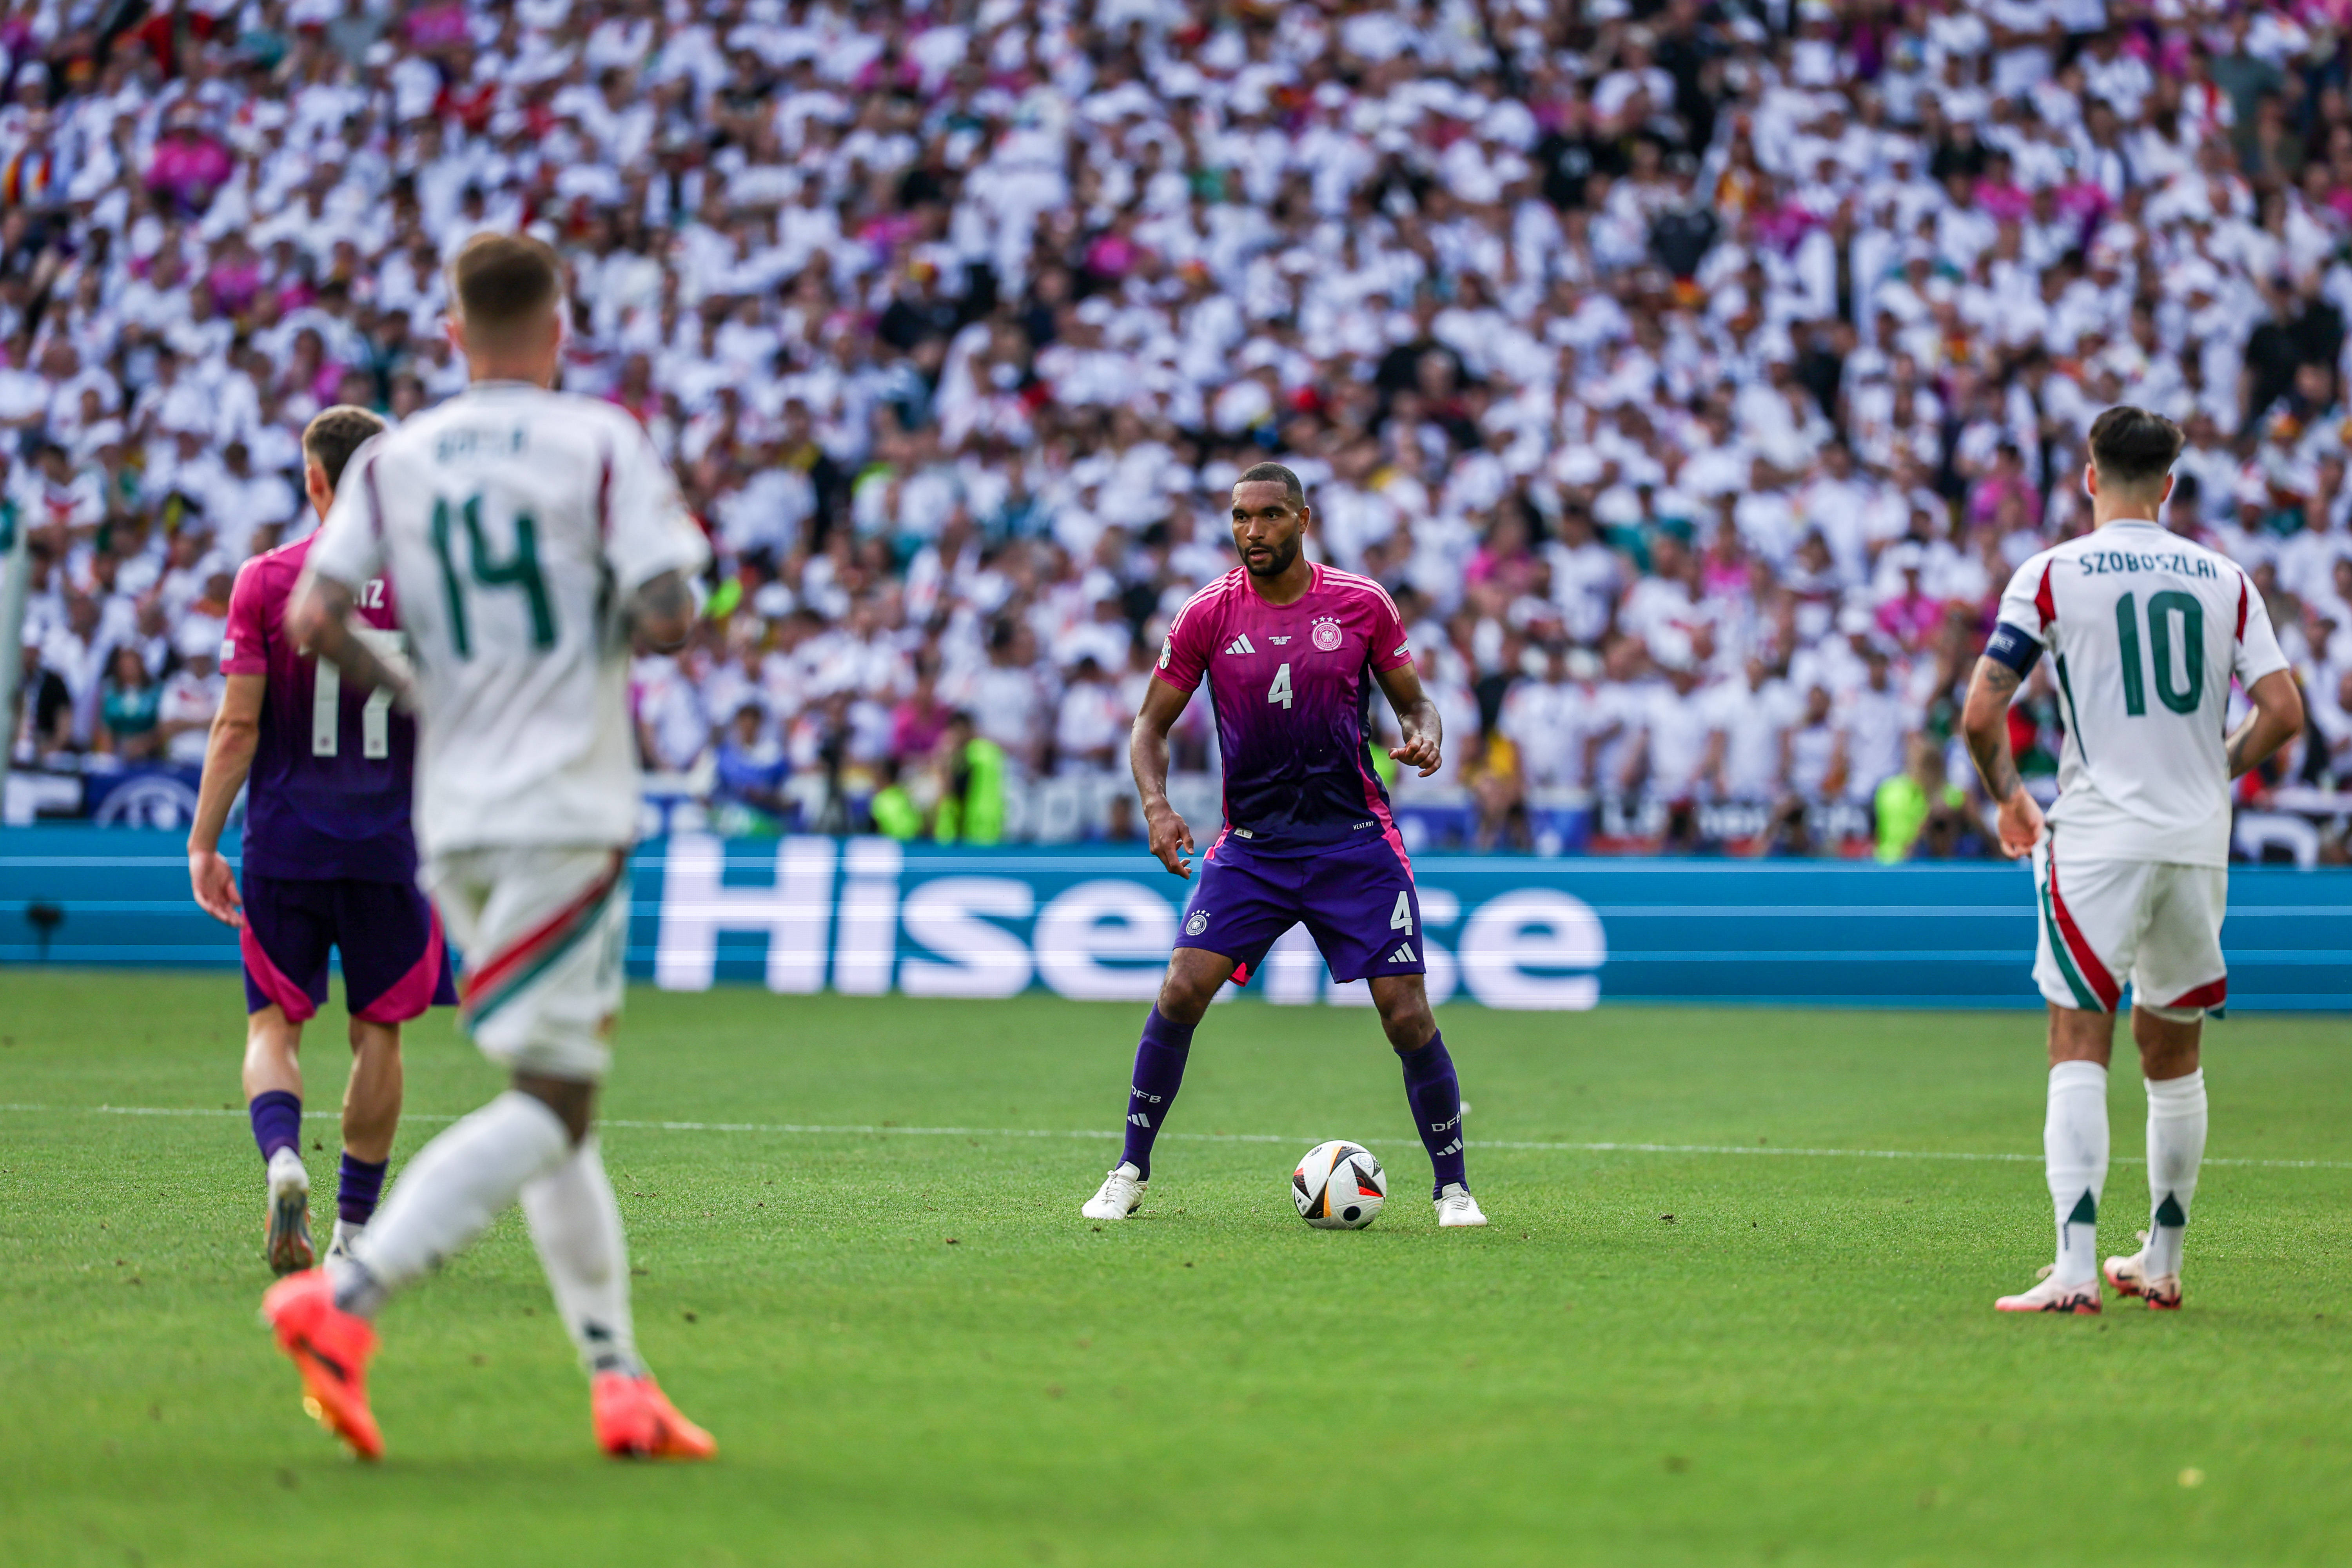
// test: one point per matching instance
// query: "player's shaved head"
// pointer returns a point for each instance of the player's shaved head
(2134, 449)
(506, 287)
(1273, 473)
(334, 433)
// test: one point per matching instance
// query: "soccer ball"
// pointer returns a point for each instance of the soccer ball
(1339, 1186)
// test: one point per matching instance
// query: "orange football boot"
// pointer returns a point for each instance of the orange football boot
(636, 1421)
(329, 1348)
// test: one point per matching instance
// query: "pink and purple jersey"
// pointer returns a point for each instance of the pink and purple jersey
(1292, 686)
(329, 794)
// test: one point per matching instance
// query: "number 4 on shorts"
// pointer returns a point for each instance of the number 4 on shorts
(1401, 918)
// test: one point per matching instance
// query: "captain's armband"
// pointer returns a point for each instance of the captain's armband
(2013, 648)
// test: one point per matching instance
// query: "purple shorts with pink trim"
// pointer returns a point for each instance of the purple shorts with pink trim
(1356, 896)
(396, 963)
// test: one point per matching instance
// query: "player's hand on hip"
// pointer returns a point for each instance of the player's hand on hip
(2019, 825)
(1421, 751)
(1171, 841)
(215, 887)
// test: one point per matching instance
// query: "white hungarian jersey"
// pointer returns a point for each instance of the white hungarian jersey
(2144, 630)
(514, 523)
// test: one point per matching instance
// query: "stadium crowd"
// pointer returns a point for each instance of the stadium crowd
(1693, 374)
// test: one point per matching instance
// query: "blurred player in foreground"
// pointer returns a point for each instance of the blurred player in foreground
(531, 536)
(330, 861)
(2144, 630)
(1291, 650)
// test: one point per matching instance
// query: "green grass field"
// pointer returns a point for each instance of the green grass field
(912, 1348)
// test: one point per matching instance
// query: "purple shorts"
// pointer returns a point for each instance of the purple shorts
(1356, 896)
(395, 962)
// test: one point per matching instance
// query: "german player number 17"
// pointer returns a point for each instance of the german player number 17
(375, 719)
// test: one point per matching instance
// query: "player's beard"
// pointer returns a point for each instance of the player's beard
(1283, 555)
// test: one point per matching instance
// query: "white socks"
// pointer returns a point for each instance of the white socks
(514, 1147)
(448, 1194)
(576, 1224)
(2075, 1155)
(2074, 1151)
(2176, 1143)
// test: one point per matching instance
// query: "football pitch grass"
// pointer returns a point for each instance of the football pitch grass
(866, 1273)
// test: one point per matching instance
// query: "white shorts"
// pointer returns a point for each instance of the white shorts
(2104, 921)
(544, 930)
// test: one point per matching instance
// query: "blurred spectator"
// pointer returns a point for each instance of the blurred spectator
(1919, 808)
(971, 786)
(191, 696)
(893, 808)
(129, 707)
(750, 763)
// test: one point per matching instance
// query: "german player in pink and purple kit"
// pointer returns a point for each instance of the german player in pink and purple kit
(329, 863)
(1291, 651)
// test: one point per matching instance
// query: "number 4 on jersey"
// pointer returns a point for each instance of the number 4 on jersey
(1280, 690)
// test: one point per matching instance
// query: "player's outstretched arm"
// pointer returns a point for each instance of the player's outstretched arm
(1984, 720)
(1147, 754)
(2276, 719)
(228, 757)
(319, 618)
(1417, 717)
(662, 613)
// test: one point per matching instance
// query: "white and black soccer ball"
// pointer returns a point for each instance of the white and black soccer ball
(1339, 1186)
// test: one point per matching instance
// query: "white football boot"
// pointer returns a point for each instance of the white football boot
(2130, 1277)
(1120, 1195)
(2051, 1297)
(1456, 1206)
(346, 1232)
(289, 1243)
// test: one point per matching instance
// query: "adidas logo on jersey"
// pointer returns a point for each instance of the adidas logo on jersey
(1240, 645)
(1403, 955)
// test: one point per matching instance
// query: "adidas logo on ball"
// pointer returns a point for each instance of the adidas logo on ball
(1339, 1186)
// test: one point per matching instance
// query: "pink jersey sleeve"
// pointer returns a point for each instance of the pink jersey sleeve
(1392, 649)
(1185, 653)
(245, 643)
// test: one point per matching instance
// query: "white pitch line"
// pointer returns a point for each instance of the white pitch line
(816, 1130)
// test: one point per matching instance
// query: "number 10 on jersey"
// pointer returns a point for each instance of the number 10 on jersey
(2181, 696)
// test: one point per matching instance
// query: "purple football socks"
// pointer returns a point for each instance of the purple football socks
(361, 1185)
(1435, 1096)
(1158, 1070)
(276, 1121)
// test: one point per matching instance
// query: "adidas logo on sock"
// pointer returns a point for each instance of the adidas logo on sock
(1139, 1119)
(1240, 645)
(1453, 1148)
(1403, 955)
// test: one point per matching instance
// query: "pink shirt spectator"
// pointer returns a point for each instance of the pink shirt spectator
(188, 167)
